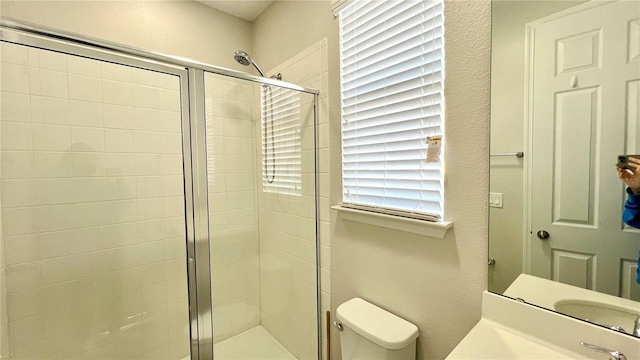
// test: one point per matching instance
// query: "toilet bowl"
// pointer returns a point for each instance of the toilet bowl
(369, 332)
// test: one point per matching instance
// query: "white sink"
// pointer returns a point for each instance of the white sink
(599, 313)
(546, 293)
(510, 329)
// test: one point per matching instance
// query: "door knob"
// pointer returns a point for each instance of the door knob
(542, 235)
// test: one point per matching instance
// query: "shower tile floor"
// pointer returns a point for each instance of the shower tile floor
(253, 344)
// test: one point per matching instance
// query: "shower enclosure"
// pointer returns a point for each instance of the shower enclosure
(152, 207)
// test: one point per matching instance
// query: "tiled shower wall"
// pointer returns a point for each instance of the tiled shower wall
(92, 208)
(288, 226)
(232, 177)
(4, 321)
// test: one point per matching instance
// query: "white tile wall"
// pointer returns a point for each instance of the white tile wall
(232, 206)
(92, 209)
(288, 227)
(4, 320)
(14, 111)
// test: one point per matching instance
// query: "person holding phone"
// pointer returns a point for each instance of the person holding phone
(630, 174)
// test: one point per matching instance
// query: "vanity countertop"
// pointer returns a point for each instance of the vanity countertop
(511, 329)
(491, 340)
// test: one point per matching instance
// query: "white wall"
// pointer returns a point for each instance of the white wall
(435, 283)
(508, 131)
(183, 28)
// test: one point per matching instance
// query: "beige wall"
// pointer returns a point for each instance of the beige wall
(508, 131)
(434, 283)
(183, 28)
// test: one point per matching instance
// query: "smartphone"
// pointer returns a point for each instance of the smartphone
(623, 161)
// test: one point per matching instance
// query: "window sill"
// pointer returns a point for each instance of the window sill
(421, 227)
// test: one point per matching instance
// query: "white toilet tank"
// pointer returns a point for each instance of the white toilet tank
(369, 332)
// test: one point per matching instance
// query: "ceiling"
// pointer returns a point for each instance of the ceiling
(244, 9)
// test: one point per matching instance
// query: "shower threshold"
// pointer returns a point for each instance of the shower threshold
(253, 344)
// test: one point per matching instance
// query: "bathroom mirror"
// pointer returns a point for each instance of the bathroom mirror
(565, 102)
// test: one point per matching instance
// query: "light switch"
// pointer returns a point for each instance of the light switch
(495, 200)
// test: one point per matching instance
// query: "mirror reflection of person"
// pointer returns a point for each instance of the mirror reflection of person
(631, 178)
(631, 212)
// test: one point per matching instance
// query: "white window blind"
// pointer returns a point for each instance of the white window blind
(392, 100)
(281, 159)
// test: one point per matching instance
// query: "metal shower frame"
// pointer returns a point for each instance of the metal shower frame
(191, 74)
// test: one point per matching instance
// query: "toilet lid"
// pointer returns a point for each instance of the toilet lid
(376, 324)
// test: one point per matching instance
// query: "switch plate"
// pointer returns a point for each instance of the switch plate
(495, 200)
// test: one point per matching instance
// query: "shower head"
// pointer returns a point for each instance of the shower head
(244, 59)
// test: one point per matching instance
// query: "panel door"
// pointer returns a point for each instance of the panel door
(585, 113)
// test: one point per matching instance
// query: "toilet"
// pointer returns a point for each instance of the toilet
(369, 332)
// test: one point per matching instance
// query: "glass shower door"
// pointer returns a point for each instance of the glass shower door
(92, 207)
(262, 214)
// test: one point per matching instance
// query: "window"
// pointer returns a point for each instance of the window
(392, 102)
(281, 162)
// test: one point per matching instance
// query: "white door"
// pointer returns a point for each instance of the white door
(585, 112)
